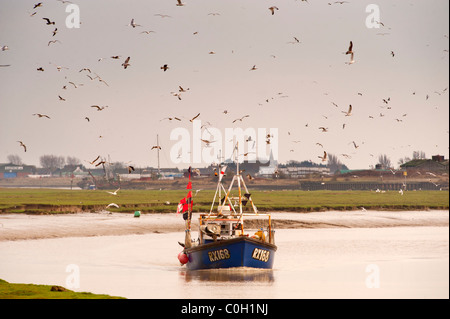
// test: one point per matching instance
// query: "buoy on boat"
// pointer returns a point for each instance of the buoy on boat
(183, 258)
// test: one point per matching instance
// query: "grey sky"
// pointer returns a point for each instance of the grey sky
(301, 81)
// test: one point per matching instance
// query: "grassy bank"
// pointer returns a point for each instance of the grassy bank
(30, 291)
(43, 201)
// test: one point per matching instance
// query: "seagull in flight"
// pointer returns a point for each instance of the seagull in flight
(126, 63)
(350, 51)
(272, 9)
(133, 24)
(48, 21)
(156, 146)
(240, 119)
(53, 41)
(92, 163)
(99, 108)
(23, 145)
(165, 67)
(41, 115)
(191, 120)
(115, 192)
(163, 15)
(179, 4)
(324, 157)
(348, 113)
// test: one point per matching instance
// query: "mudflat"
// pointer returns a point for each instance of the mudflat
(103, 223)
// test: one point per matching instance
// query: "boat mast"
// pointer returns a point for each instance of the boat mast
(238, 176)
(157, 149)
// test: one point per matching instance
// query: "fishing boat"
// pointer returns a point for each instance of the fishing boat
(228, 237)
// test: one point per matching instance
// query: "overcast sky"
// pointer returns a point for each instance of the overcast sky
(296, 87)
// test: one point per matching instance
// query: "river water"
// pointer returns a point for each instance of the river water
(357, 262)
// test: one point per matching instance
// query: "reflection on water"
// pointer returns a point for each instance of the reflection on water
(243, 274)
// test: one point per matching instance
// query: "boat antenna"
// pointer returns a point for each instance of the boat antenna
(157, 144)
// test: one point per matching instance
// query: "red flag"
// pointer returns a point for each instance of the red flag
(189, 185)
(180, 208)
(185, 204)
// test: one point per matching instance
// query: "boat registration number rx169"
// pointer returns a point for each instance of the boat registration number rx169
(261, 254)
(217, 255)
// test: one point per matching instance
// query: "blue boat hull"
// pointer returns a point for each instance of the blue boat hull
(229, 253)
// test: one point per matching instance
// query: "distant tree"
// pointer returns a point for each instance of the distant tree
(294, 163)
(384, 161)
(72, 161)
(334, 164)
(419, 155)
(14, 159)
(51, 162)
(117, 165)
(403, 160)
(416, 155)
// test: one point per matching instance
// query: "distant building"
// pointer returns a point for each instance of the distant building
(437, 164)
(271, 169)
(301, 171)
(14, 171)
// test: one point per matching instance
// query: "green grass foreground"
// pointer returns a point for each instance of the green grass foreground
(31, 291)
(45, 201)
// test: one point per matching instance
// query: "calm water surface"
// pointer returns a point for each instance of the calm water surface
(393, 262)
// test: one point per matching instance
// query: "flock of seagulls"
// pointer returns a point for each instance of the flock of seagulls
(125, 64)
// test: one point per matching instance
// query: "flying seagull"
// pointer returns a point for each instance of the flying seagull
(165, 67)
(191, 120)
(163, 15)
(324, 157)
(348, 113)
(23, 145)
(41, 115)
(53, 41)
(240, 119)
(272, 9)
(48, 21)
(92, 163)
(99, 108)
(115, 192)
(350, 51)
(133, 24)
(170, 118)
(179, 4)
(126, 63)
(156, 146)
